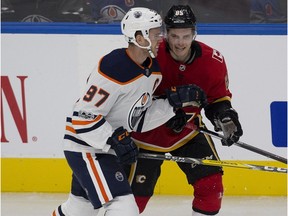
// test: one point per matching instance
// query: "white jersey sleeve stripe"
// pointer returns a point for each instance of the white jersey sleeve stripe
(91, 127)
(86, 122)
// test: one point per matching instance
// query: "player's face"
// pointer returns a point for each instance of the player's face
(180, 41)
(156, 37)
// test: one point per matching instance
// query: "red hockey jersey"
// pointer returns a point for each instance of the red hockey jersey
(207, 70)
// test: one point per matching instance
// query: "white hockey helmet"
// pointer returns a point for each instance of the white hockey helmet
(140, 19)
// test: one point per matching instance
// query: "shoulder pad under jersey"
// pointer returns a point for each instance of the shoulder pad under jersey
(119, 67)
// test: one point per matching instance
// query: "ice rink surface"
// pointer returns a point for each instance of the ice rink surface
(42, 204)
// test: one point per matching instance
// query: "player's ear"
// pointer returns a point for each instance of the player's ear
(140, 39)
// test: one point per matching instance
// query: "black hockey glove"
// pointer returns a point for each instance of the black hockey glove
(186, 95)
(124, 146)
(224, 118)
(177, 122)
(227, 121)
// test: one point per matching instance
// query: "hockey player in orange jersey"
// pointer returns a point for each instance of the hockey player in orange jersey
(117, 100)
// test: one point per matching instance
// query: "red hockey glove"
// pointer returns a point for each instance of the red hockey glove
(124, 146)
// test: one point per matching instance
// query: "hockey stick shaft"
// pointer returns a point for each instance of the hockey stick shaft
(245, 146)
(211, 162)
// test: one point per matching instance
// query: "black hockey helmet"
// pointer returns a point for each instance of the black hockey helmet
(180, 16)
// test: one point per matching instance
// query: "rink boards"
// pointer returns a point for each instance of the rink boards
(54, 175)
(42, 75)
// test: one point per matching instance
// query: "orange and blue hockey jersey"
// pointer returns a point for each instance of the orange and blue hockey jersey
(118, 93)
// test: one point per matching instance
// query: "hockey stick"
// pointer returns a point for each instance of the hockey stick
(245, 146)
(169, 157)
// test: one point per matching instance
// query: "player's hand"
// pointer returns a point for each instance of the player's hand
(186, 95)
(124, 146)
(177, 122)
(228, 122)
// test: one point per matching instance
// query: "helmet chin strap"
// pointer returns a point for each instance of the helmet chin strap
(151, 53)
(146, 47)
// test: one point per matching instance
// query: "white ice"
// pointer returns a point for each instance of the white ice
(42, 204)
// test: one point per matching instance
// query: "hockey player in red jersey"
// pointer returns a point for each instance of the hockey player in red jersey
(183, 60)
(117, 100)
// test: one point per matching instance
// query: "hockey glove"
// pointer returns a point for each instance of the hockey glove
(124, 146)
(177, 122)
(227, 121)
(186, 95)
